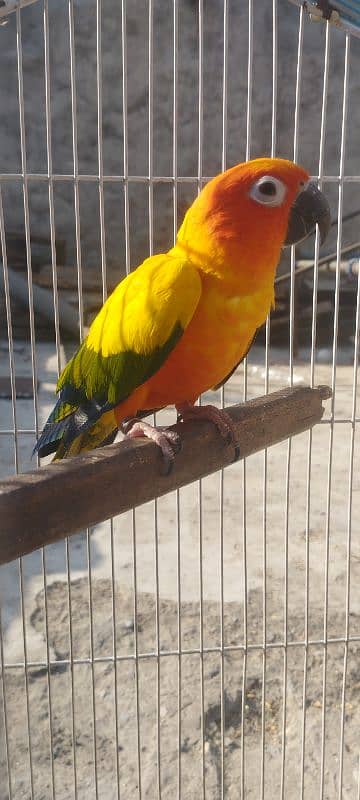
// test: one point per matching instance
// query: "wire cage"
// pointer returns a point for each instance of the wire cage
(205, 644)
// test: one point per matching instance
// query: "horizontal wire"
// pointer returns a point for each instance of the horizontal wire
(193, 651)
(43, 176)
(25, 431)
(327, 421)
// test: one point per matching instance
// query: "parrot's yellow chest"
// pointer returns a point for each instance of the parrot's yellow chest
(215, 340)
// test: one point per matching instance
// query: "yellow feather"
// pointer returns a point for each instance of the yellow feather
(141, 313)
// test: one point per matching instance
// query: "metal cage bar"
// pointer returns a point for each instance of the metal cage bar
(333, 381)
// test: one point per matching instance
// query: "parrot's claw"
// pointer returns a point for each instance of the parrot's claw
(168, 441)
(219, 417)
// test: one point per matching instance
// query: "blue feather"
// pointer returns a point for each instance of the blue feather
(74, 419)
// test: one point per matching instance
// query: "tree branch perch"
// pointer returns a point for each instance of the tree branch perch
(41, 507)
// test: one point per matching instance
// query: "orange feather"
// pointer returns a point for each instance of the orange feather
(185, 318)
(235, 244)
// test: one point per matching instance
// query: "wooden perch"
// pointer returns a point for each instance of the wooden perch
(41, 507)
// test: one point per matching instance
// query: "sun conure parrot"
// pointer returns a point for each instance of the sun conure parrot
(182, 321)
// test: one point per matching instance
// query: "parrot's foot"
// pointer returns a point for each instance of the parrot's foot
(168, 441)
(219, 417)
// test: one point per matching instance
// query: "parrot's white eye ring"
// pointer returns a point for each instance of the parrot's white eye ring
(268, 191)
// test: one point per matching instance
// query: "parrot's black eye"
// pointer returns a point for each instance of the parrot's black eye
(268, 191)
(268, 188)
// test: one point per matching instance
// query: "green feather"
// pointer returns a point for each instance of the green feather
(113, 378)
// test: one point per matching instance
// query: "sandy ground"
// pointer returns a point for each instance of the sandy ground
(246, 562)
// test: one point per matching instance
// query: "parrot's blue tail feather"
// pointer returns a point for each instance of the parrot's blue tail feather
(72, 416)
(51, 436)
(56, 424)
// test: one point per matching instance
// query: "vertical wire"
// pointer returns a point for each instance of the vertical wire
(151, 250)
(249, 79)
(136, 654)
(351, 467)
(16, 465)
(57, 342)
(310, 435)
(295, 157)
(114, 617)
(81, 315)
(5, 716)
(9, 334)
(114, 647)
(333, 387)
(33, 356)
(48, 673)
(274, 77)
(26, 213)
(178, 517)
(222, 665)
(99, 92)
(71, 660)
(51, 185)
(103, 273)
(91, 654)
(283, 736)
(291, 375)
(127, 265)
(200, 499)
(266, 389)
(221, 509)
(151, 126)
(76, 166)
(321, 172)
(179, 636)
(244, 679)
(26, 676)
(100, 145)
(225, 85)
(349, 532)
(244, 493)
(125, 136)
(81, 332)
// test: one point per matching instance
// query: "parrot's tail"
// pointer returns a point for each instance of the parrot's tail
(74, 427)
(101, 432)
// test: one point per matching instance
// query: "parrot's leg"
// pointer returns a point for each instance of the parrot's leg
(168, 441)
(219, 417)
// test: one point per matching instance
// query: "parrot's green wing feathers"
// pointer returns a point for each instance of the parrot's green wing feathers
(129, 340)
(136, 329)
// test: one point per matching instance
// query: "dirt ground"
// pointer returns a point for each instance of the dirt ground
(256, 567)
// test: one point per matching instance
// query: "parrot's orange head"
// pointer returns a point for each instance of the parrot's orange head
(260, 191)
(245, 215)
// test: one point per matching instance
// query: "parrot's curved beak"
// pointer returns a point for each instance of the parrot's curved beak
(310, 208)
